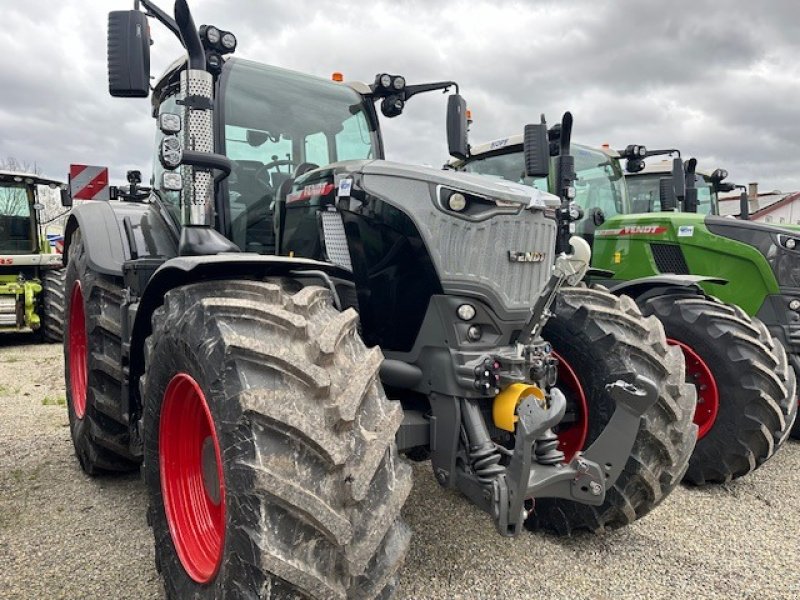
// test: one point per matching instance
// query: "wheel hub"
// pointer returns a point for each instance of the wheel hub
(192, 482)
(699, 374)
(572, 435)
(78, 351)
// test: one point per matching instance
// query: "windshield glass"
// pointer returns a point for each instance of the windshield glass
(644, 192)
(276, 120)
(706, 198)
(599, 183)
(16, 234)
(506, 165)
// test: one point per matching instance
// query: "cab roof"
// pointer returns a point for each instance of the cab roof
(27, 178)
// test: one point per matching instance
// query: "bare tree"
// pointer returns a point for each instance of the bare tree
(14, 200)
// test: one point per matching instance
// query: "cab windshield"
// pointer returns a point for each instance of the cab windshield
(644, 191)
(16, 226)
(274, 121)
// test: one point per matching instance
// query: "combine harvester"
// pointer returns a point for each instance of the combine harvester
(746, 386)
(237, 334)
(31, 274)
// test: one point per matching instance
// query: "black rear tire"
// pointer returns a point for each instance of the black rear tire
(605, 338)
(313, 483)
(53, 305)
(97, 423)
(756, 384)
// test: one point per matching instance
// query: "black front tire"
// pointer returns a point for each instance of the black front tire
(312, 478)
(756, 384)
(605, 338)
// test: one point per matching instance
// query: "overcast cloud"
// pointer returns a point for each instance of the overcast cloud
(720, 80)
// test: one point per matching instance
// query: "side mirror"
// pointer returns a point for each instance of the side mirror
(690, 193)
(666, 191)
(678, 180)
(536, 148)
(128, 54)
(744, 206)
(66, 198)
(457, 142)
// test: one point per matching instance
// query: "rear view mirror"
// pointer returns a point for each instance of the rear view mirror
(744, 206)
(690, 199)
(128, 54)
(666, 191)
(66, 198)
(536, 148)
(678, 179)
(457, 142)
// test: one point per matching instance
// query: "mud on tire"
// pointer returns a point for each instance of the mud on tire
(53, 304)
(97, 423)
(312, 480)
(755, 381)
(604, 338)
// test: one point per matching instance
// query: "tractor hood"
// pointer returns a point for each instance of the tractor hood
(479, 185)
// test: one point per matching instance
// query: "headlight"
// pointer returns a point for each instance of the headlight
(386, 80)
(457, 202)
(213, 35)
(472, 206)
(229, 42)
(784, 258)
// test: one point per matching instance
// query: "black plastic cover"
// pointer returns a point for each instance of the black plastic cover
(457, 143)
(536, 148)
(128, 54)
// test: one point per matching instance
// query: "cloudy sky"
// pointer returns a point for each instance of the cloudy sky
(720, 80)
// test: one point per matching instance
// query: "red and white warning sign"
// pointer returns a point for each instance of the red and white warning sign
(88, 183)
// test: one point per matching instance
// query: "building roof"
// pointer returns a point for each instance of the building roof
(764, 205)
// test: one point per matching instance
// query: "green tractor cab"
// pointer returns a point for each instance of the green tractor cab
(31, 275)
(739, 368)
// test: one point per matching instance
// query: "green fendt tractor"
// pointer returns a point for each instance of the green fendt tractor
(287, 313)
(746, 387)
(755, 266)
(31, 277)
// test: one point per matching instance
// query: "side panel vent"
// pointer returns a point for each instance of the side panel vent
(669, 258)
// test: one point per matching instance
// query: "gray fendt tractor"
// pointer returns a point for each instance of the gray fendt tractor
(746, 386)
(287, 314)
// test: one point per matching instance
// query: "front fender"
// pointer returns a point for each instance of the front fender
(185, 270)
(637, 288)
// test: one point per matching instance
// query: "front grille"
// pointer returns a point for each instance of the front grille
(478, 253)
(669, 258)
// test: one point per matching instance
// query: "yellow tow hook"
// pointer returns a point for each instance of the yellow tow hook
(504, 408)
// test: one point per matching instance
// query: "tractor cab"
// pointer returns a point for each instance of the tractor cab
(600, 190)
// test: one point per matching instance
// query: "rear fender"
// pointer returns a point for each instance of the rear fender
(118, 232)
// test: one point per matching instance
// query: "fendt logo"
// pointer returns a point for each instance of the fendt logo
(633, 230)
(525, 257)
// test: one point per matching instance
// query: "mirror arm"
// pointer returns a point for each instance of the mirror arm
(668, 151)
(155, 12)
(413, 90)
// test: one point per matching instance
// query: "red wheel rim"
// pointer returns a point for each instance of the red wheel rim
(699, 373)
(78, 351)
(192, 481)
(572, 437)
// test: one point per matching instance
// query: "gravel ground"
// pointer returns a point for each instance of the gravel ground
(63, 535)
